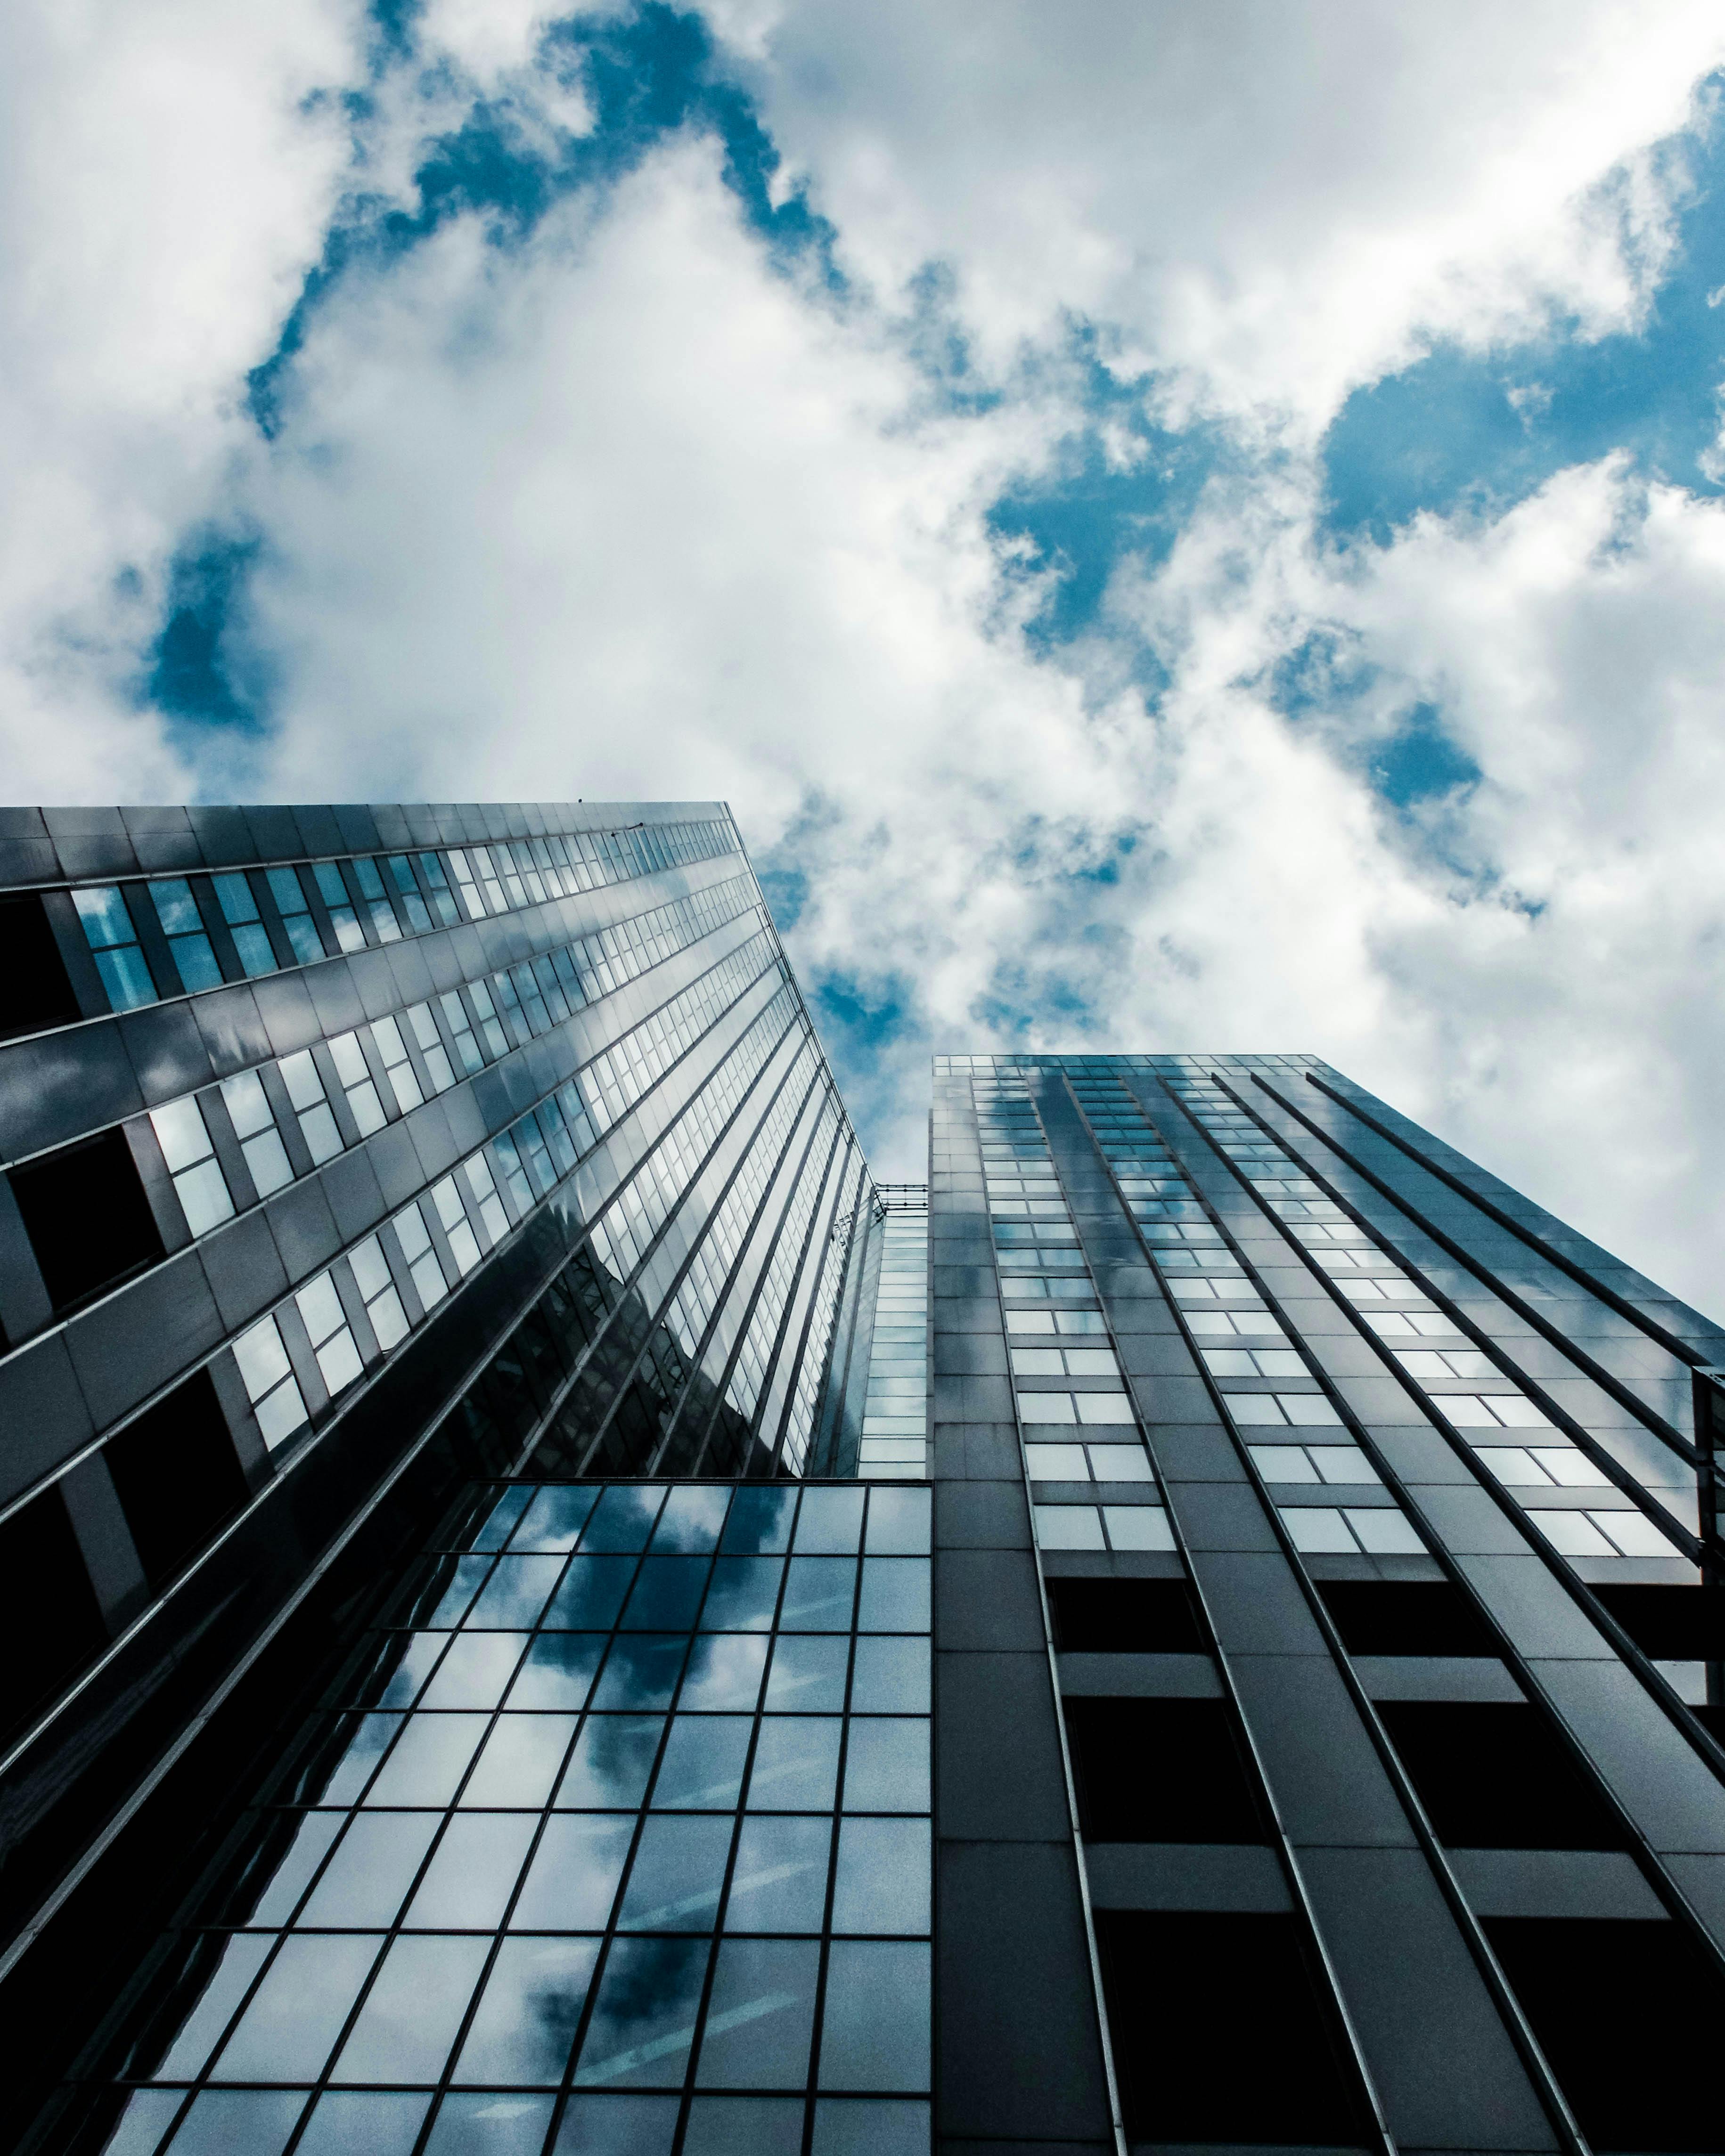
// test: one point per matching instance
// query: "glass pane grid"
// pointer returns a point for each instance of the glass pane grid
(684, 1850)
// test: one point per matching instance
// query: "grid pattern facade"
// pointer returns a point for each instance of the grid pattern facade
(894, 1433)
(1393, 1739)
(351, 1152)
(1290, 1718)
(614, 1834)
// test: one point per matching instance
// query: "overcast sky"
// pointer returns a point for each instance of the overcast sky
(1174, 525)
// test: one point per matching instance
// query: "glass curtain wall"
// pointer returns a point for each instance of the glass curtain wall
(612, 1834)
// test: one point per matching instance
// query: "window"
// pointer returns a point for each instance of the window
(567, 853)
(397, 1067)
(1405, 1617)
(270, 1382)
(420, 1255)
(510, 859)
(514, 1016)
(479, 1181)
(1602, 1534)
(1253, 1324)
(1064, 1362)
(1253, 1363)
(463, 1242)
(87, 1217)
(363, 1103)
(240, 910)
(408, 899)
(548, 864)
(37, 992)
(443, 901)
(472, 902)
(1249, 1408)
(295, 909)
(349, 934)
(383, 922)
(1374, 1290)
(198, 1183)
(1454, 1362)
(425, 1030)
(460, 1029)
(1124, 1617)
(177, 1475)
(1673, 1623)
(254, 1122)
(1496, 1777)
(490, 1025)
(574, 1115)
(1312, 1463)
(1404, 1325)
(486, 870)
(532, 999)
(559, 1141)
(1068, 1407)
(1605, 1996)
(523, 1156)
(331, 1341)
(1075, 1463)
(376, 1290)
(567, 976)
(1181, 1989)
(304, 1088)
(1492, 1411)
(113, 944)
(1110, 1527)
(1137, 1526)
(176, 910)
(1379, 1531)
(47, 1607)
(1161, 1770)
(1539, 1466)
(1016, 1287)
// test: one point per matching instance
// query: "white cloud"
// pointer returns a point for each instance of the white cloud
(626, 513)
(163, 186)
(622, 511)
(1274, 202)
(1545, 988)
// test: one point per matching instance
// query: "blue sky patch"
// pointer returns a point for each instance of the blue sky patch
(1420, 763)
(646, 76)
(1083, 520)
(785, 888)
(1461, 431)
(867, 1020)
(195, 674)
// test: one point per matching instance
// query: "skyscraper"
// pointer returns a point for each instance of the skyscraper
(554, 1612)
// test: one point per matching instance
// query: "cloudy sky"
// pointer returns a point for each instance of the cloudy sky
(1173, 526)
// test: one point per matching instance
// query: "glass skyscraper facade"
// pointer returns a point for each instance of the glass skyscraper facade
(547, 1611)
(1326, 1632)
(355, 1158)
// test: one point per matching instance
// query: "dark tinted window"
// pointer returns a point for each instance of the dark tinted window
(1496, 1777)
(49, 1616)
(1161, 1770)
(1672, 1624)
(1219, 2033)
(35, 991)
(1405, 1617)
(88, 1219)
(178, 1475)
(1124, 1617)
(1624, 2012)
